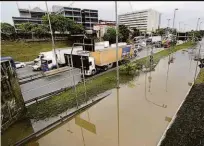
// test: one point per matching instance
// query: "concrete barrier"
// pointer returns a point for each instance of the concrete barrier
(55, 71)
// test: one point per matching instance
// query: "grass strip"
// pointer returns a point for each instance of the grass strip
(22, 51)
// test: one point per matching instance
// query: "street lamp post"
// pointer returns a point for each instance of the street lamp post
(168, 22)
(184, 27)
(174, 37)
(116, 17)
(200, 24)
(180, 25)
(174, 17)
(197, 24)
(53, 43)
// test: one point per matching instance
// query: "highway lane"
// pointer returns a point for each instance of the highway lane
(49, 84)
(46, 85)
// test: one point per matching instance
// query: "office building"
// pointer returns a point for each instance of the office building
(33, 16)
(102, 27)
(89, 18)
(107, 22)
(86, 17)
(71, 13)
(145, 20)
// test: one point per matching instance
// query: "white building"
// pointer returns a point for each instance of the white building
(145, 20)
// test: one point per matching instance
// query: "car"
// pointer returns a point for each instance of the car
(20, 65)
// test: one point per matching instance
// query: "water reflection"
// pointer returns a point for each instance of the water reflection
(118, 116)
(125, 117)
(170, 60)
(151, 68)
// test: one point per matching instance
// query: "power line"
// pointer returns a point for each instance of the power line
(71, 4)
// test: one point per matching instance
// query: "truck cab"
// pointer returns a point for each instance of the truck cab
(92, 69)
(48, 64)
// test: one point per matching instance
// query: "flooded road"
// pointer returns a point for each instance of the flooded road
(136, 114)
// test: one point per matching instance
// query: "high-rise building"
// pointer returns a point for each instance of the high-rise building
(71, 13)
(86, 17)
(145, 20)
(33, 16)
(89, 18)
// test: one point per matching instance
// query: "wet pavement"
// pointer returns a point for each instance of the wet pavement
(136, 114)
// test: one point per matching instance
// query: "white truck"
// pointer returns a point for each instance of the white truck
(103, 58)
(156, 39)
(43, 55)
(50, 56)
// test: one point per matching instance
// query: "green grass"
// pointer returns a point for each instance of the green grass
(22, 51)
(60, 103)
(200, 78)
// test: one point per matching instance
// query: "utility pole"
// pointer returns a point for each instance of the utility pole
(168, 22)
(180, 26)
(53, 43)
(116, 18)
(197, 24)
(200, 24)
(174, 17)
(173, 24)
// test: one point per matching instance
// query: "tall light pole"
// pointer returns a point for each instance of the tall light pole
(200, 24)
(180, 25)
(174, 17)
(53, 43)
(168, 22)
(184, 27)
(116, 19)
(197, 24)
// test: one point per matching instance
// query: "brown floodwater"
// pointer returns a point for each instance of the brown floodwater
(135, 114)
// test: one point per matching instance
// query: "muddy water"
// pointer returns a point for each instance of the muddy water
(135, 114)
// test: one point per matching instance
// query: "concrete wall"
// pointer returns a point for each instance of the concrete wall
(27, 15)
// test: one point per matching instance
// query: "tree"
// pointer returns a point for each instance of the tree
(58, 22)
(40, 30)
(26, 27)
(125, 32)
(77, 29)
(110, 35)
(7, 28)
(160, 31)
(135, 33)
(63, 24)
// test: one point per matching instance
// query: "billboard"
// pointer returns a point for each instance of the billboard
(126, 51)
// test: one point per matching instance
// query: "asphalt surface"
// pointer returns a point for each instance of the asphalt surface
(46, 85)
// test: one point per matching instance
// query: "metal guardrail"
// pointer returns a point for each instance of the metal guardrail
(47, 95)
(30, 76)
(41, 75)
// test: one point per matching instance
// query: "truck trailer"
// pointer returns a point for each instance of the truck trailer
(99, 60)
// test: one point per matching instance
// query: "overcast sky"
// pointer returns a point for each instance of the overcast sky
(188, 12)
